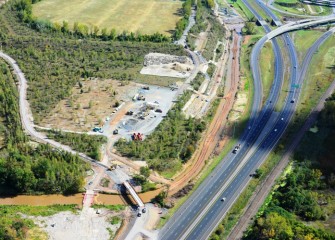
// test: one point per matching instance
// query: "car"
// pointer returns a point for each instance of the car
(90, 183)
(276, 130)
(116, 131)
(249, 127)
(293, 100)
(282, 119)
(139, 214)
(223, 199)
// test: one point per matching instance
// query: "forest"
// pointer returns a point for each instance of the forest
(303, 205)
(27, 167)
(172, 143)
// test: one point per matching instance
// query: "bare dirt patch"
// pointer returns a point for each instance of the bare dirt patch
(91, 102)
(246, 39)
(159, 64)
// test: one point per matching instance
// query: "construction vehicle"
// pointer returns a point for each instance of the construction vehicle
(129, 113)
(137, 137)
(146, 88)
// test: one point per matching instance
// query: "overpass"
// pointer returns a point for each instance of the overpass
(299, 25)
(133, 194)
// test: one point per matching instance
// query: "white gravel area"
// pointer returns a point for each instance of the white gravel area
(85, 225)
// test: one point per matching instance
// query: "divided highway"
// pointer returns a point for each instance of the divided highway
(214, 213)
(196, 208)
(253, 160)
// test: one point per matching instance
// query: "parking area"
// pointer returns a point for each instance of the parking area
(141, 115)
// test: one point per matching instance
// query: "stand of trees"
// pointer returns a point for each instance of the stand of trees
(90, 145)
(173, 142)
(26, 167)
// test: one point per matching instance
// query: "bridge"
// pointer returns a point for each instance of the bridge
(299, 25)
(132, 192)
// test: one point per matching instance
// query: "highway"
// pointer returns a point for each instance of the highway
(216, 209)
(192, 211)
(232, 190)
(203, 228)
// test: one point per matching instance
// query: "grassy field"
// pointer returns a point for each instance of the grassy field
(302, 9)
(145, 16)
(267, 68)
(303, 40)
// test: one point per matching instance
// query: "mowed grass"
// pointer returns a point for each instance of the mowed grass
(267, 68)
(303, 40)
(144, 16)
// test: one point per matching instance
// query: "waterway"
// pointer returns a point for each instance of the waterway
(45, 200)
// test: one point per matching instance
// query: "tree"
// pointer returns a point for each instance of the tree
(249, 28)
(145, 171)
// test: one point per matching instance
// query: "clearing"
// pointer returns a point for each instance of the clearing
(147, 17)
(91, 102)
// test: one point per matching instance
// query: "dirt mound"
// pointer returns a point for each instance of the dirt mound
(167, 65)
(159, 58)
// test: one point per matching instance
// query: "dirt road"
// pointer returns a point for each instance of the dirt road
(212, 137)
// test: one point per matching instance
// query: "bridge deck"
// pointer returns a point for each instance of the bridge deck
(133, 194)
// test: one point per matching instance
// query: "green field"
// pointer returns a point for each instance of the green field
(145, 16)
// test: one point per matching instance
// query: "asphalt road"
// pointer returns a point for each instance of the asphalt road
(232, 190)
(187, 217)
(217, 211)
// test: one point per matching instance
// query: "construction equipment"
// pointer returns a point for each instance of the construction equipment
(137, 137)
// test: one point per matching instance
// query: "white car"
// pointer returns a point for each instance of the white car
(223, 199)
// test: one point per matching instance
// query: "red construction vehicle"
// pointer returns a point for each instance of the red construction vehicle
(137, 137)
